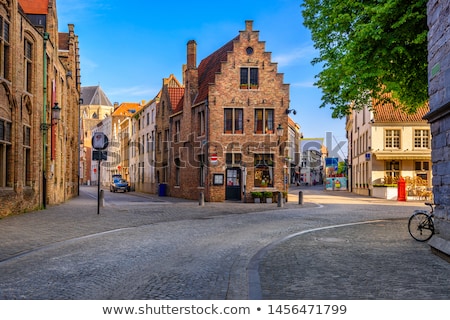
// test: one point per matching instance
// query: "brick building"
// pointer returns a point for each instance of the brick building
(439, 118)
(39, 69)
(225, 141)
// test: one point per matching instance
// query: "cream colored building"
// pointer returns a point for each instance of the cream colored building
(94, 108)
(386, 144)
(142, 159)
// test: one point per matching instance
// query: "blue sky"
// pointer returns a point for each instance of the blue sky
(127, 47)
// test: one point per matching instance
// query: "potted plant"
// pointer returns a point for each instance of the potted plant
(244, 86)
(268, 195)
(256, 195)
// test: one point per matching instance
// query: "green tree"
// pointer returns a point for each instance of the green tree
(369, 49)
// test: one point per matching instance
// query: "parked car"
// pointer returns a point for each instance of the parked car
(119, 185)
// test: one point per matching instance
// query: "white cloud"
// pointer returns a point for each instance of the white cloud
(303, 54)
(132, 94)
(304, 84)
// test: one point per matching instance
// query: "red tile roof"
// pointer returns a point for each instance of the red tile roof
(208, 68)
(176, 96)
(388, 113)
(34, 6)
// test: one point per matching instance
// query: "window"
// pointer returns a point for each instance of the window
(201, 123)
(421, 139)
(177, 171)
(233, 159)
(392, 171)
(5, 153)
(166, 140)
(422, 166)
(264, 170)
(392, 139)
(176, 136)
(28, 54)
(4, 49)
(233, 120)
(5, 131)
(249, 78)
(27, 155)
(264, 121)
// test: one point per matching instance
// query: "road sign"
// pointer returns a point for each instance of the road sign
(99, 141)
(99, 155)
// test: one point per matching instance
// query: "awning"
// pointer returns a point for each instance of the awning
(402, 155)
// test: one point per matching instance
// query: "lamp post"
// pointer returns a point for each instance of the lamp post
(280, 132)
(56, 116)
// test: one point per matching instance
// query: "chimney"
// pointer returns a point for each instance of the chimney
(191, 54)
(248, 25)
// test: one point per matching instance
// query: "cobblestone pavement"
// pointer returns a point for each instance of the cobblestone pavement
(334, 246)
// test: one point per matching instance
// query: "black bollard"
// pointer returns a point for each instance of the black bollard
(300, 197)
(201, 200)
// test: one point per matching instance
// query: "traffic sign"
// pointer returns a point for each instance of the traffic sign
(99, 141)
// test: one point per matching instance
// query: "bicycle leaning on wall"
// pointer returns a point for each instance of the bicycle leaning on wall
(421, 224)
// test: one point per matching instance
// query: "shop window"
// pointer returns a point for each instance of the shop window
(392, 170)
(264, 169)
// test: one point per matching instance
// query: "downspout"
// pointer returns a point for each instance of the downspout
(44, 121)
(206, 165)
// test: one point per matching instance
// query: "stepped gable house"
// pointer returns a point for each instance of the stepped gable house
(225, 142)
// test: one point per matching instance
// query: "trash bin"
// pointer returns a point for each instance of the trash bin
(162, 189)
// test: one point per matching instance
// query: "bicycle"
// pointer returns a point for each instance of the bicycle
(421, 224)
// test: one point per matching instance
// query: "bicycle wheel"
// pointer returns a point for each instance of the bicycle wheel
(420, 226)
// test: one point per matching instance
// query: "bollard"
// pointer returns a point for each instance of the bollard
(300, 197)
(102, 199)
(201, 200)
(280, 200)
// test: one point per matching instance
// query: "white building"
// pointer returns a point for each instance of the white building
(386, 144)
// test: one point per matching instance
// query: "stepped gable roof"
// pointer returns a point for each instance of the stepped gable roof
(94, 95)
(386, 112)
(34, 6)
(208, 68)
(63, 41)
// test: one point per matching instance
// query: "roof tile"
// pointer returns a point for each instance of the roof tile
(34, 6)
(208, 68)
(386, 112)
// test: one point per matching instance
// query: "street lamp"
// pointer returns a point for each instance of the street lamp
(56, 116)
(280, 131)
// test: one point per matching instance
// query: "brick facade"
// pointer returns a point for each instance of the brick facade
(439, 117)
(30, 156)
(224, 135)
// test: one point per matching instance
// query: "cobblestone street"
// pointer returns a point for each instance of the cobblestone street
(334, 246)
